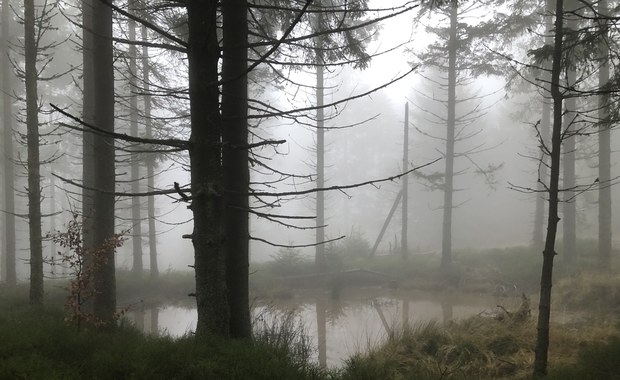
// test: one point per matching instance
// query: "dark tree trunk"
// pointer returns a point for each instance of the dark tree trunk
(32, 136)
(446, 246)
(136, 217)
(544, 306)
(539, 218)
(88, 139)
(206, 171)
(569, 225)
(236, 173)
(9, 165)
(319, 255)
(150, 161)
(320, 260)
(404, 227)
(104, 300)
(604, 158)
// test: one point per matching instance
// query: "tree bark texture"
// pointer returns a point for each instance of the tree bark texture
(206, 171)
(446, 246)
(544, 306)
(32, 137)
(136, 217)
(405, 206)
(88, 139)
(539, 218)
(539, 214)
(10, 274)
(236, 175)
(150, 161)
(319, 254)
(104, 301)
(569, 211)
(604, 155)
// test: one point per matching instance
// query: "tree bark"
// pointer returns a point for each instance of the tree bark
(446, 246)
(319, 254)
(569, 225)
(206, 170)
(404, 227)
(88, 139)
(10, 274)
(32, 137)
(150, 161)
(539, 218)
(320, 260)
(136, 217)
(235, 161)
(544, 306)
(604, 155)
(104, 300)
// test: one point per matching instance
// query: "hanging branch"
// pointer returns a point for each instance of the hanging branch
(175, 143)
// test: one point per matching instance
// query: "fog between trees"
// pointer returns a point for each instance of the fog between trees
(217, 116)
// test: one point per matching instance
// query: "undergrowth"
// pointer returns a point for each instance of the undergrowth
(485, 348)
(37, 344)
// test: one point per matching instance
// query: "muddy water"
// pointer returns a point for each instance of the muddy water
(339, 327)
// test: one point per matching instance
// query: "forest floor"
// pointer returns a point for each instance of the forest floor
(37, 343)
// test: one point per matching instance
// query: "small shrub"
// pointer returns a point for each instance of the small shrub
(82, 265)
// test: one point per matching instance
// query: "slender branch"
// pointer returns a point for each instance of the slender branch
(295, 245)
(117, 193)
(342, 187)
(175, 143)
(149, 25)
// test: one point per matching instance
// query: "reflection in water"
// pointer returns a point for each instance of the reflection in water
(338, 328)
(165, 320)
(405, 313)
(447, 310)
(321, 330)
(138, 317)
(154, 320)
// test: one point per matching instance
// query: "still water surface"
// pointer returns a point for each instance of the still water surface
(339, 328)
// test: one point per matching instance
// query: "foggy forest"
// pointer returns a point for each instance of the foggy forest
(310, 189)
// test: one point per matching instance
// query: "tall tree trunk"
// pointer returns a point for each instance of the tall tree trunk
(136, 217)
(236, 173)
(539, 218)
(32, 136)
(544, 306)
(319, 255)
(52, 212)
(88, 139)
(104, 300)
(206, 171)
(320, 261)
(569, 225)
(446, 246)
(150, 161)
(9, 165)
(404, 228)
(604, 154)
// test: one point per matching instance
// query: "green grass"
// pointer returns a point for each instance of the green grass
(600, 361)
(35, 343)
